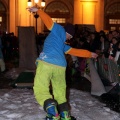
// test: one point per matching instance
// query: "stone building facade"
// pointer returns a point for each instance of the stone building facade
(103, 14)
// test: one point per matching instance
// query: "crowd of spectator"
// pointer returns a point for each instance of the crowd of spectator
(10, 45)
(104, 44)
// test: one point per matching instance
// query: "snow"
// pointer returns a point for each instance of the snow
(20, 104)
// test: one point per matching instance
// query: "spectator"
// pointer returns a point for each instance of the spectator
(104, 46)
(2, 63)
(116, 34)
(87, 40)
(95, 43)
(109, 36)
(113, 48)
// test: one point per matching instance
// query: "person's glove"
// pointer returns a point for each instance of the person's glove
(32, 9)
(94, 55)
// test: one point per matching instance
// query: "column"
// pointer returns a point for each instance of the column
(89, 12)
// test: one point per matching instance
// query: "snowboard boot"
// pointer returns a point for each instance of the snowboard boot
(65, 115)
(64, 109)
(50, 107)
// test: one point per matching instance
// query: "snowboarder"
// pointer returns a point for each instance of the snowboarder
(51, 66)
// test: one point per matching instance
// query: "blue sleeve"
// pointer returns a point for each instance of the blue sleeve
(66, 48)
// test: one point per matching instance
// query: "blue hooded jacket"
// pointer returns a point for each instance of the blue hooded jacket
(54, 47)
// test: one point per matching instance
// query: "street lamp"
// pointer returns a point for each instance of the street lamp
(39, 7)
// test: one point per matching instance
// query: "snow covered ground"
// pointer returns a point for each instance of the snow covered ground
(20, 104)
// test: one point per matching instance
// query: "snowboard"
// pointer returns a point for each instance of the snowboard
(72, 118)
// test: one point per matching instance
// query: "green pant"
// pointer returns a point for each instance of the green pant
(44, 74)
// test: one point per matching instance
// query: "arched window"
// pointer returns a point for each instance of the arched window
(57, 7)
(58, 11)
(114, 9)
(2, 8)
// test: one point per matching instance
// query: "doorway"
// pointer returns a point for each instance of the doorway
(3, 18)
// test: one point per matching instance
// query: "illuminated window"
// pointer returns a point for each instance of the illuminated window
(119, 21)
(114, 21)
(113, 28)
(0, 19)
(88, 0)
(59, 20)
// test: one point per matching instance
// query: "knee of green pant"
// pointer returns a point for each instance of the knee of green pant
(41, 95)
(60, 96)
(38, 97)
